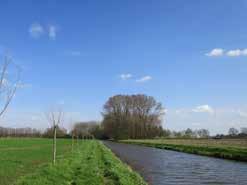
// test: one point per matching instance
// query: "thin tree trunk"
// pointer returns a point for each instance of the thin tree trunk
(54, 144)
(72, 142)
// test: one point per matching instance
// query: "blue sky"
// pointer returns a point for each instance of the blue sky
(189, 55)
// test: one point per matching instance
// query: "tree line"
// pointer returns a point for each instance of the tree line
(32, 132)
(188, 133)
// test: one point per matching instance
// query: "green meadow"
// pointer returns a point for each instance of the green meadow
(20, 156)
(28, 162)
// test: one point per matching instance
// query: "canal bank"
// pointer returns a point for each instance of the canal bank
(166, 167)
(208, 148)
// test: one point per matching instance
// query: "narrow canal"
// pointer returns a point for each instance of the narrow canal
(165, 167)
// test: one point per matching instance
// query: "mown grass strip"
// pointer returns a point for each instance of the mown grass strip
(238, 154)
(91, 163)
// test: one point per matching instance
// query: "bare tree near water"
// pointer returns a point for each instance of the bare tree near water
(8, 86)
(55, 117)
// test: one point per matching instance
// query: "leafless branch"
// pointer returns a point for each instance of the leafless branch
(8, 90)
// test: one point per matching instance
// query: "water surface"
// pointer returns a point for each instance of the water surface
(165, 167)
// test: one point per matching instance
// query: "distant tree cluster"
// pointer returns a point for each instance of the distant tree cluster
(60, 132)
(188, 133)
(235, 133)
(32, 132)
(132, 117)
(19, 132)
(86, 130)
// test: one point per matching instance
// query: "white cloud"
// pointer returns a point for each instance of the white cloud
(230, 53)
(203, 108)
(234, 53)
(237, 52)
(144, 79)
(215, 52)
(36, 30)
(52, 32)
(126, 76)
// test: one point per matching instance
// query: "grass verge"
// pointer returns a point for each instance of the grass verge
(210, 149)
(91, 163)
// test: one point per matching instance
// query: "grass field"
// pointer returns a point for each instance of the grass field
(234, 149)
(22, 156)
(28, 162)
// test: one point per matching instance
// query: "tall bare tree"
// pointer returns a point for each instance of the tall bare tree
(55, 117)
(8, 85)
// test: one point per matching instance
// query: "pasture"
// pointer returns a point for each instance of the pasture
(20, 156)
(28, 162)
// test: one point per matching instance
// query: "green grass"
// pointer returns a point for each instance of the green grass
(91, 163)
(19, 156)
(233, 149)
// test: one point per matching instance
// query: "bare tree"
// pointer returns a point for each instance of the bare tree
(55, 118)
(233, 131)
(8, 86)
(203, 133)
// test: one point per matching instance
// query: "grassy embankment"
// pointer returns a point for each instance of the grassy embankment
(233, 149)
(91, 163)
(28, 160)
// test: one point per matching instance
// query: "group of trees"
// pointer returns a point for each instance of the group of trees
(60, 132)
(132, 117)
(233, 132)
(32, 132)
(84, 130)
(19, 132)
(188, 133)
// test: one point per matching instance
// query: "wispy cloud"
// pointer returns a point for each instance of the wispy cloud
(52, 32)
(74, 53)
(215, 52)
(237, 52)
(126, 76)
(230, 53)
(144, 79)
(203, 108)
(36, 30)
